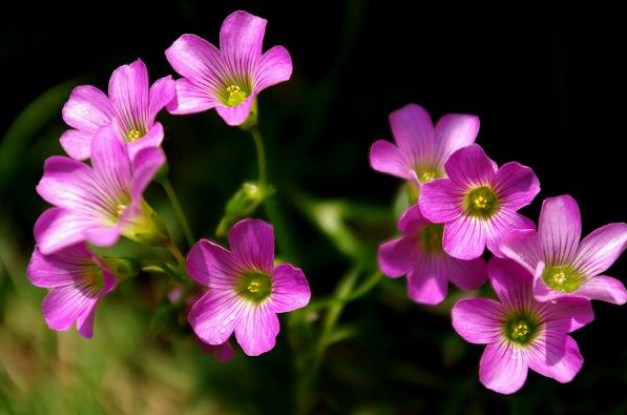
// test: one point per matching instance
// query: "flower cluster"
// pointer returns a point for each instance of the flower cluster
(464, 202)
(114, 154)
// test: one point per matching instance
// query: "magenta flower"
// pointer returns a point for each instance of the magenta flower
(247, 290)
(77, 280)
(478, 202)
(520, 332)
(98, 204)
(132, 106)
(419, 255)
(228, 79)
(564, 266)
(422, 150)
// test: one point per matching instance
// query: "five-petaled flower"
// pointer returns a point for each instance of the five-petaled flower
(77, 280)
(419, 255)
(478, 202)
(97, 204)
(132, 106)
(561, 264)
(421, 150)
(230, 78)
(520, 332)
(246, 289)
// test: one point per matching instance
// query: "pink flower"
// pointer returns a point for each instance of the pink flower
(77, 280)
(131, 106)
(247, 290)
(419, 255)
(222, 352)
(422, 150)
(478, 202)
(98, 204)
(520, 332)
(564, 266)
(228, 79)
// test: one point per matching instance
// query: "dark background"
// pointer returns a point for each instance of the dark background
(547, 81)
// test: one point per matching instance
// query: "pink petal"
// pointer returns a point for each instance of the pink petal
(66, 182)
(452, 132)
(161, 93)
(604, 288)
(191, 99)
(441, 200)
(153, 138)
(398, 256)
(237, 114)
(110, 163)
(556, 357)
(290, 289)
(103, 235)
(478, 320)
(61, 268)
(427, 282)
(470, 167)
(241, 41)
(214, 317)
(466, 275)
(503, 368)
(516, 185)
(252, 242)
(147, 162)
(77, 143)
(87, 109)
(387, 158)
(223, 352)
(63, 306)
(511, 282)
(559, 229)
(274, 67)
(464, 238)
(257, 331)
(598, 251)
(523, 246)
(413, 132)
(57, 228)
(213, 266)
(566, 314)
(412, 220)
(129, 93)
(85, 322)
(501, 224)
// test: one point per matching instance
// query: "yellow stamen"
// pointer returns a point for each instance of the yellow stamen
(134, 135)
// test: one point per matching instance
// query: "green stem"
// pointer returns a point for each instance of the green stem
(176, 253)
(261, 156)
(178, 210)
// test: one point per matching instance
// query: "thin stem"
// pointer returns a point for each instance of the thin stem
(261, 156)
(176, 253)
(359, 292)
(178, 210)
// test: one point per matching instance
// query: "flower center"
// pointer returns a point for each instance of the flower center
(93, 279)
(521, 328)
(134, 135)
(255, 286)
(236, 96)
(481, 202)
(562, 278)
(430, 238)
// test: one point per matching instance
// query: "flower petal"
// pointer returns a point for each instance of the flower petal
(464, 238)
(516, 185)
(556, 357)
(153, 138)
(559, 229)
(61, 268)
(466, 275)
(501, 224)
(503, 368)
(161, 93)
(87, 109)
(200, 62)
(241, 41)
(452, 132)
(387, 158)
(598, 251)
(223, 352)
(190, 99)
(252, 242)
(257, 330)
(511, 282)
(129, 93)
(57, 228)
(478, 320)
(412, 220)
(604, 288)
(398, 256)
(213, 266)
(237, 114)
(77, 143)
(110, 163)
(523, 246)
(63, 306)
(413, 132)
(470, 167)
(441, 200)
(214, 317)
(66, 182)
(426, 282)
(274, 67)
(146, 164)
(290, 289)
(566, 314)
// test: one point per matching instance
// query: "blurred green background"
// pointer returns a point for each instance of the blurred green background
(547, 81)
